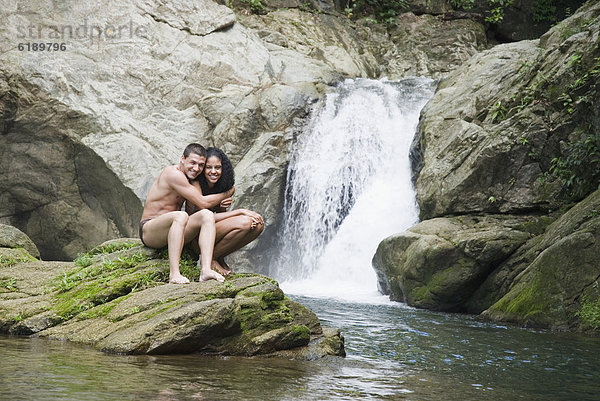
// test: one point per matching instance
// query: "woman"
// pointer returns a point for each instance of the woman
(234, 228)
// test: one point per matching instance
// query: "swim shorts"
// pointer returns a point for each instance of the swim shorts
(142, 229)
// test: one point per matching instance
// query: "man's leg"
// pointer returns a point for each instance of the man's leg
(168, 229)
(232, 234)
(201, 225)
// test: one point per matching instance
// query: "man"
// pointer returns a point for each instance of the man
(164, 224)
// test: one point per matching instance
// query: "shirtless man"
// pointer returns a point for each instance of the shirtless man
(164, 224)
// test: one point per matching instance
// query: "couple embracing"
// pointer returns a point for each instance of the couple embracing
(204, 180)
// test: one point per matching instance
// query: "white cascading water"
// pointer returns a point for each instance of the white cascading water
(349, 186)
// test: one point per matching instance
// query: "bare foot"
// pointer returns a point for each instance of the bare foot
(206, 275)
(218, 267)
(178, 279)
(225, 265)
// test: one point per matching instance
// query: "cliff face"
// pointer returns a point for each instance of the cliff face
(499, 155)
(88, 124)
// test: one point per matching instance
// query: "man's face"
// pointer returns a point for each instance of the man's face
(192, 165)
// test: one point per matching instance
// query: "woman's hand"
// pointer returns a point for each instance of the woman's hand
(225, 203)
(257, 219)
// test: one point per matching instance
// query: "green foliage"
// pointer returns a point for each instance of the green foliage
(462, 4)
(579, 166)
(384, 11)
(86, 259)
(580, 25)
(188, 266)
(13, 259)
(579, 170)
(256, 6)
(589, 312)
(90, 285)
(498, 111)
(495, 13)
(87, 270)
(8, 284)
(543, 10)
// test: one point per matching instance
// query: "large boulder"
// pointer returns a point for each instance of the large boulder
(115, 298)
(498, 123)
(87, 127)
(438, 264)
(12, 237)
(553, 282)
(537, 271)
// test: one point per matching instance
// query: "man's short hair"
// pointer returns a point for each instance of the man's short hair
(194, 148)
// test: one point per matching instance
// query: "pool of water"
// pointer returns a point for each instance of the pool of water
(394, 353)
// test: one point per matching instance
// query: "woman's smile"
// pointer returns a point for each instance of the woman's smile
(212, 170)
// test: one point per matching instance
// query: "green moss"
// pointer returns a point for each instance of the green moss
(84, 288)
(8, 284)
(530, 303)
(421, 296)
(15, 256)
(161, 308)
(256, 318)
(589, 313)
(100, 270)
(275, 319)
(536, 225)
(300, 334)
(100, 310)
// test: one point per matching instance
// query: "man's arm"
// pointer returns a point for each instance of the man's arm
(181, 185)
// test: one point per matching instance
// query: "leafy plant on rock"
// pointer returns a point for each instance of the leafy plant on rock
(579, 170)
(384, 11)
(495, 13)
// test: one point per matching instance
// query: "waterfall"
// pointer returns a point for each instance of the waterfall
(349, 186)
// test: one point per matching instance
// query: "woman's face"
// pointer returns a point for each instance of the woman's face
(212, 170)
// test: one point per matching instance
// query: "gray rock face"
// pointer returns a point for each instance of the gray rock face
(552, 281)
(488, 135)
(88, 128)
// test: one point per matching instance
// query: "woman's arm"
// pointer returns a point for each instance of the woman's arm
(193, 193)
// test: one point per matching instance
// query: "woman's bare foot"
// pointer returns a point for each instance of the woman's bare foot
(178, 279)
(224, 265)
(209, 274)
(218, 267)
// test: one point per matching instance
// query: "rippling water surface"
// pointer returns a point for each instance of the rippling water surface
(394, 353)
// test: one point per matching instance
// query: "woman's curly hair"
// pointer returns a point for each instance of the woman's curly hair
(227, 179)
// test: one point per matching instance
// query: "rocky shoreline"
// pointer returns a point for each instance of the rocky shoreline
(115, 299)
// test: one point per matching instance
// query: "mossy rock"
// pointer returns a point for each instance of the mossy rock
(12, 237)
(558, 287)
(438, 264)
(115, 298)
